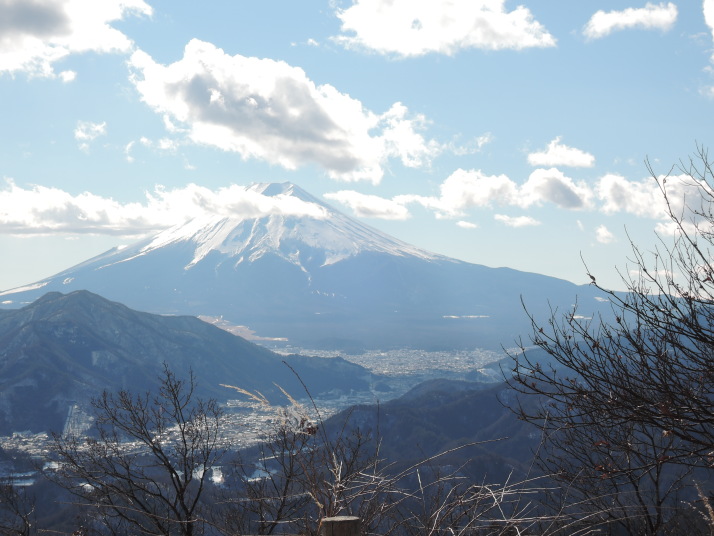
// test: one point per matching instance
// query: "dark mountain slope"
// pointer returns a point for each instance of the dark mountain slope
(442, 414)
(63, 349)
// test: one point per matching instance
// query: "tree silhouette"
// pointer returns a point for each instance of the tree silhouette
(628, 403)
(147, 469)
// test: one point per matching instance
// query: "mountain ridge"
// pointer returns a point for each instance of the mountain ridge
(67, 348)
(300, 270)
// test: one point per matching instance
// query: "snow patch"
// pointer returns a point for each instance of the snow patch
(336, 236)
(34, 286)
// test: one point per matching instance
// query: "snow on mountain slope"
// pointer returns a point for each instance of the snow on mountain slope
(302, 222)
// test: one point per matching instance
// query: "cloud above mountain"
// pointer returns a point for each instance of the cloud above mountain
(40, 210)
(35, 34)
(370, 206)
(408, 28)
(469, 189)
(651, 17)
(272, 111)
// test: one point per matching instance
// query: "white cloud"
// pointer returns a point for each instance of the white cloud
(687, 199)
(41, 210)
(166, 144)
(266, 109)
(86, 132)
(641, 198)
(653, 16)
(471, 147)
(127, 151)
(466, 224)
(516, 221)
(401, 138)
(553, 186)
(418, 27)
(370, 206)
(466, 189)
(483, 140)
(67, 76)
(603, 235)
(685, 195)
(708, 9)
(558, 154)
(34, 34)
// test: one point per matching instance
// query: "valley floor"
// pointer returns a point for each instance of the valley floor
(396, 371)
(412, 364)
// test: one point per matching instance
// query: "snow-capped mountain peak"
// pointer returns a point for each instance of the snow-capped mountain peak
(275, 189)
(291, 224)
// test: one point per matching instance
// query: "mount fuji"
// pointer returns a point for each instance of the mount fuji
(316, 277)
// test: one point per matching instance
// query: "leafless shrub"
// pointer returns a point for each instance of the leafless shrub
(148, 467)
(627, 408)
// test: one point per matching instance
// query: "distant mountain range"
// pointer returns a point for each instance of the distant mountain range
(317, 278)
(65, 349)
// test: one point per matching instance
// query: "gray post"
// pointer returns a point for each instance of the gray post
(340, 526)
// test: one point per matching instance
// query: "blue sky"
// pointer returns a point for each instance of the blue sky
(501, 133)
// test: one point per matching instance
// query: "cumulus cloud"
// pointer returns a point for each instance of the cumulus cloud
(467, 189)
(464, 190)
(35, 34)
(641, 198)
(603, 235)
(417, 27)
(269, 110)
(41, 210)
(558, 154)
(370, 206)
(551, 185)
(651, 17)
(516, 221)
(687, 198)
(466, 224)
(86, 132)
